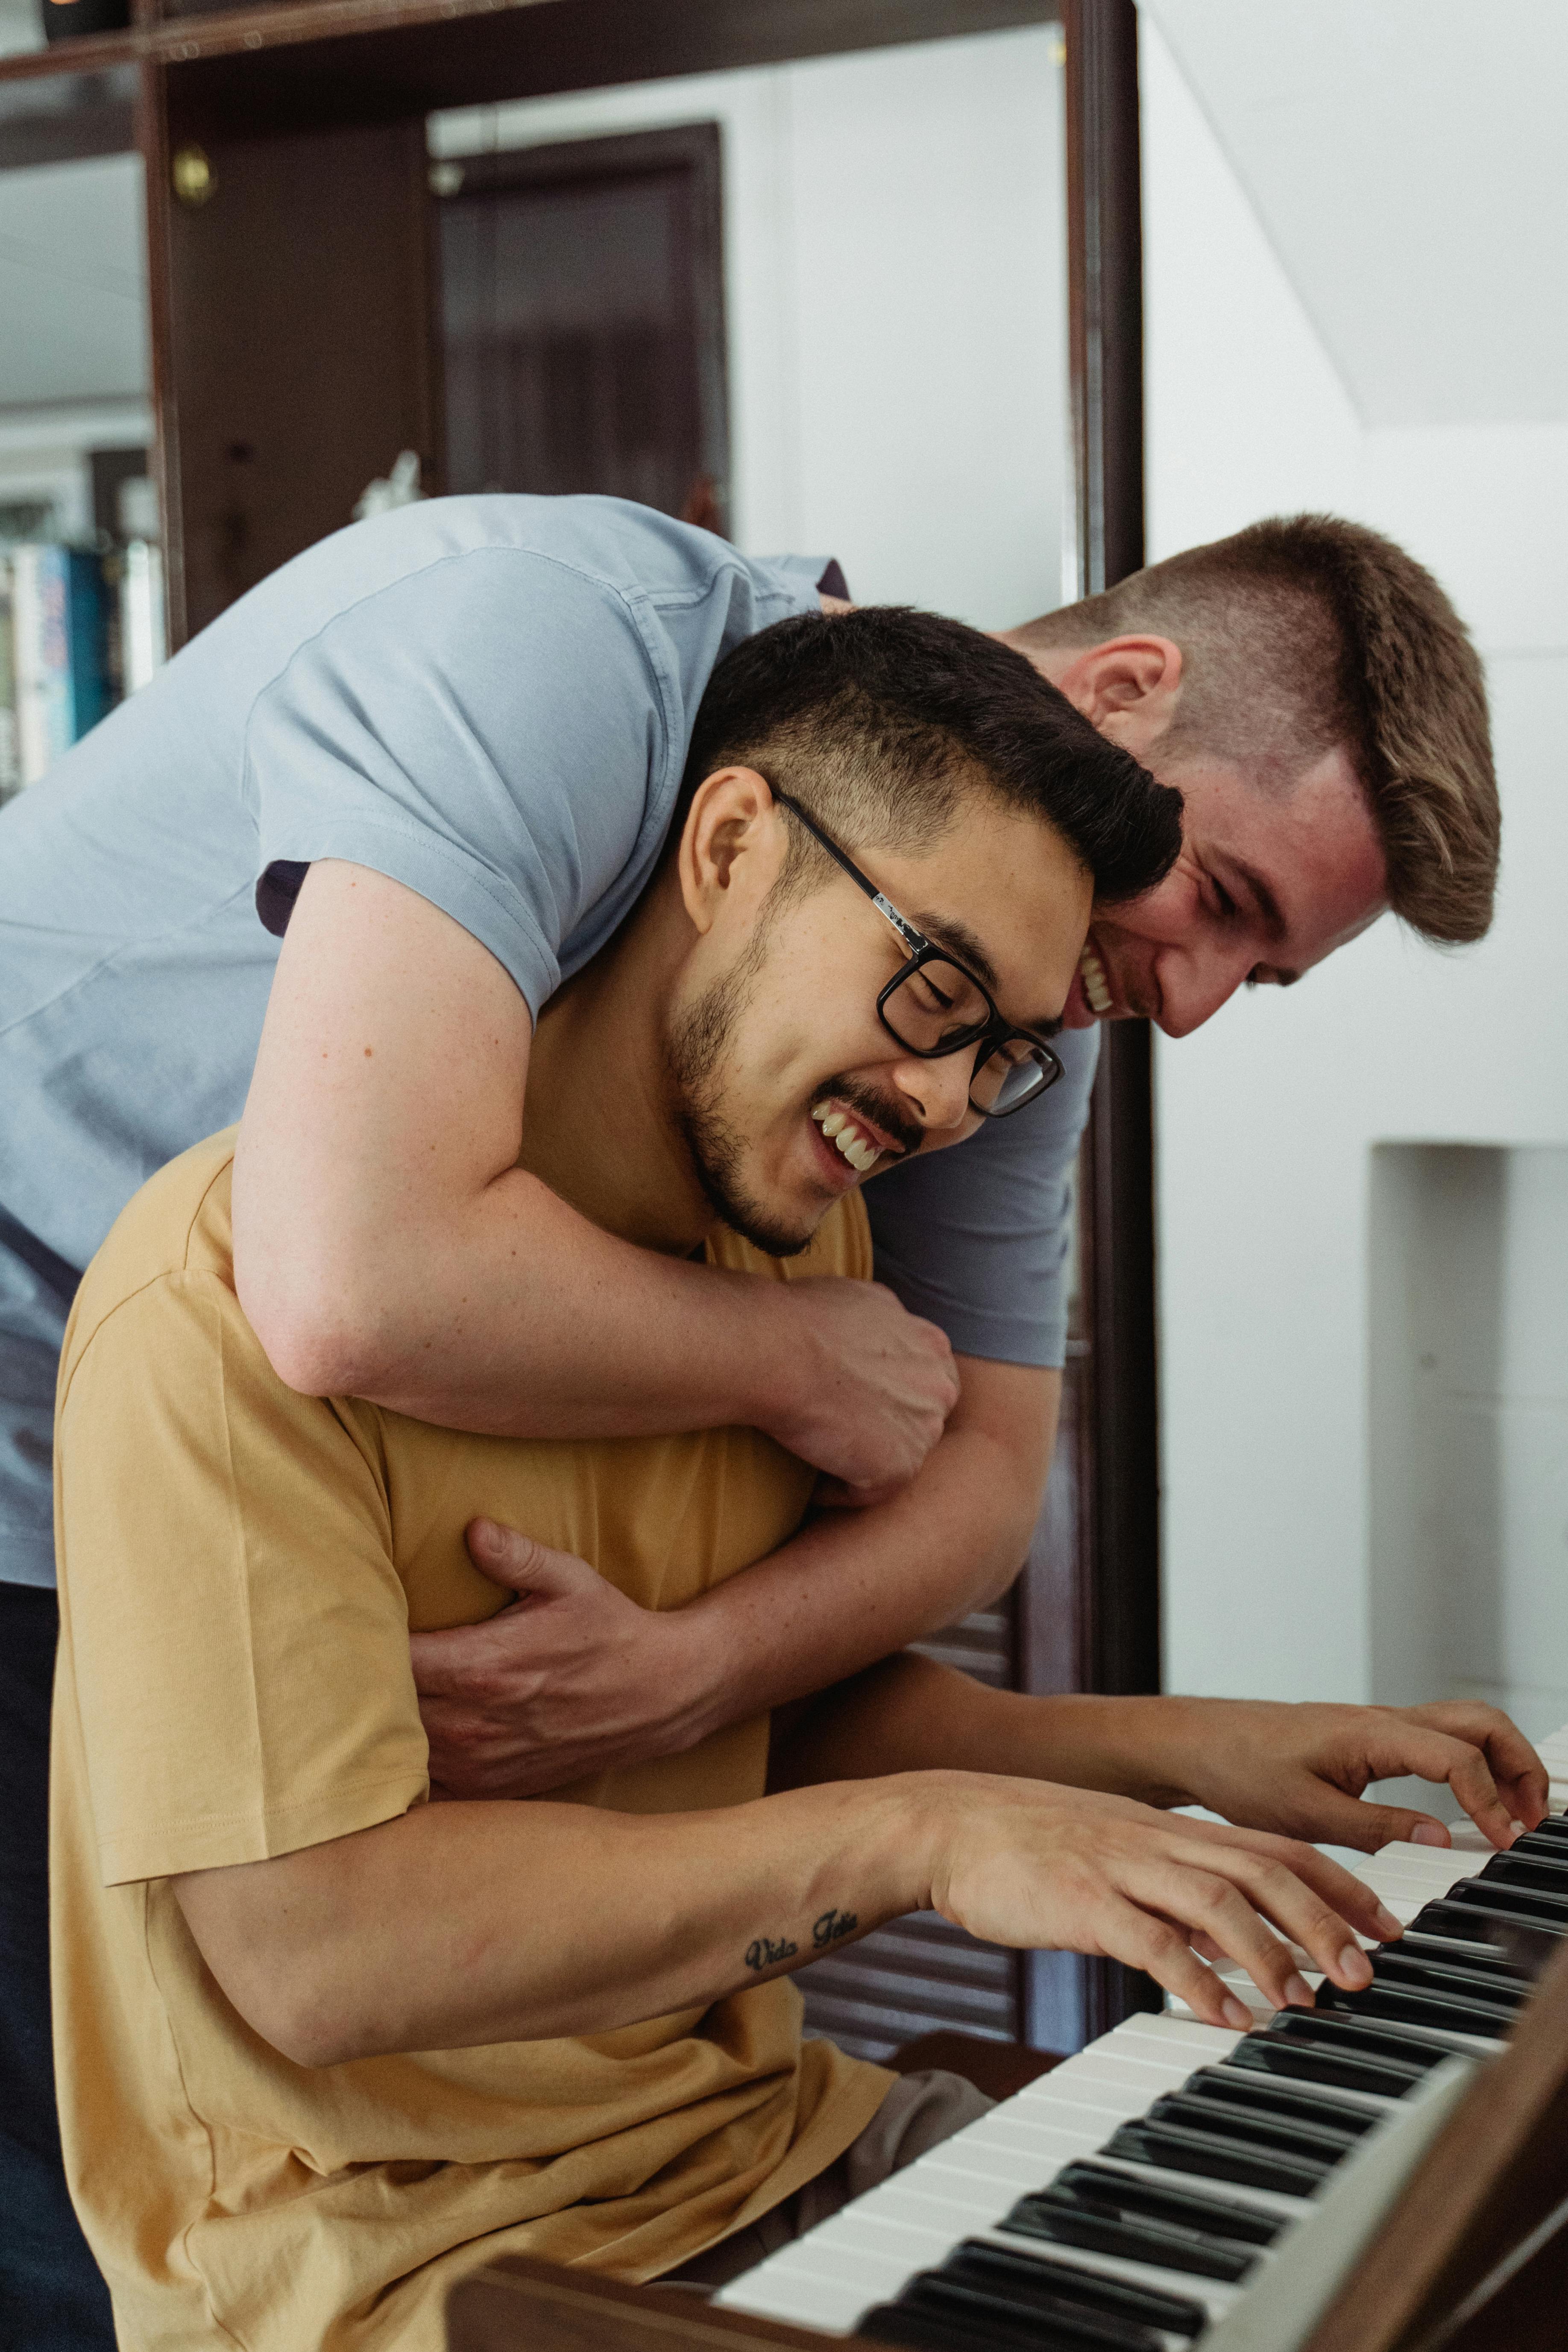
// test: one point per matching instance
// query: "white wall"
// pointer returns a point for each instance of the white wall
(1469, 1426)
(1269, 1117)
(894, 265)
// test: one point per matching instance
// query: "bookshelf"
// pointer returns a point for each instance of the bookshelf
(290, 246)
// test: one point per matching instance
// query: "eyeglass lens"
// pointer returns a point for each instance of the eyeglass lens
(935, 1006)
(938, 1006)
(1010, 1077)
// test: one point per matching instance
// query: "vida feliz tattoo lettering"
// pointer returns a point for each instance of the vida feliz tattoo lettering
(763, 1953)
(832, 1926)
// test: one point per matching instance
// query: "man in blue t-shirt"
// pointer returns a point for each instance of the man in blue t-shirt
(435, 758)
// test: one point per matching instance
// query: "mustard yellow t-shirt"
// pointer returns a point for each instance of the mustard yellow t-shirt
(239, 1570)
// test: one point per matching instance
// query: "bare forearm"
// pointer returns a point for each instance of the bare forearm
(519, 1318)
(911, 1715)
(462, 1925)
(854, 1586)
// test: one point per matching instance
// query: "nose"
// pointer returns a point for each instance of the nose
(1193, 987)
(937, 1092)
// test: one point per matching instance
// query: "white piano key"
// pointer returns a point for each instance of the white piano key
(1089, 2077)
(1009, 2169)
(1445, 1862)
(868, 2274)
(1207, 2044)
(1109, 2103)
(914, 2245)
(1028, 2157)
(799, 2301)
(958, 2203)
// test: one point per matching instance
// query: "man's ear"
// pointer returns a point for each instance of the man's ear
(733, 847)
(1128, 687)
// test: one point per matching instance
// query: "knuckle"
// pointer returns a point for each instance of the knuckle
(1164, 1948)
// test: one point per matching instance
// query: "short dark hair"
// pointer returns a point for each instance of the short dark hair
(879, 721)
(1306, 632)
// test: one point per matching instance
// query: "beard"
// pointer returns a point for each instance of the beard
(694, 1047)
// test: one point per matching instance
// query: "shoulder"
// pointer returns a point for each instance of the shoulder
(178, 1223)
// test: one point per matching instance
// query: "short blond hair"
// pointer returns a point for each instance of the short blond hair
(1306, 632)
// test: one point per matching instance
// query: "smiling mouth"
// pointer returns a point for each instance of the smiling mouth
(847, 1137)
(1096, 987)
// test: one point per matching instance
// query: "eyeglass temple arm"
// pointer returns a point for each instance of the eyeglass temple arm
(914, 941)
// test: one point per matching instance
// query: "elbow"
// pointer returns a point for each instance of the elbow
(322, 1333)
(305, 2023)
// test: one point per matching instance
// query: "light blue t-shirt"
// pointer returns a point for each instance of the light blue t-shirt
(488, 699)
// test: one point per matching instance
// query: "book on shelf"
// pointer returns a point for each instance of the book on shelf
(79, 631)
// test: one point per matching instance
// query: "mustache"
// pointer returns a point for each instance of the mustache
(891, 1121)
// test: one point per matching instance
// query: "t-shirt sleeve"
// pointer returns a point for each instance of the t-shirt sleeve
(235, 1624)
(979, 1238)
(507, 773)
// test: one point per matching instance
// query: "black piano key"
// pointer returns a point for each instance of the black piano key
(1213, 2156)
(1102, 2186)
(1031, 2283)
(1555, 1825)
(1471, 1953)
(1313, 2142)
(938, 2331)
(1062, 2221)
(950, 2315)
(1447, 2012)
(1251, 2093)
(1513, 1902)
(1343, 2069)
(1395, 2043)
(1548, 1872)
(1473, 1922)
(1494, 1978)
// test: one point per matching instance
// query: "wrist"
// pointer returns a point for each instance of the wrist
(924, 1812)
(1165, 1737)
(789, 1367)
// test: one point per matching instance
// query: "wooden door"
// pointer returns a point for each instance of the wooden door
(294, 357)
(582, 320)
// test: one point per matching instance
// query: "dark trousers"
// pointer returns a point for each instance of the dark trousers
(52, 2298)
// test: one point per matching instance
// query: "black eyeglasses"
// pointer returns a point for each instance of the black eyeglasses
(933, 1006)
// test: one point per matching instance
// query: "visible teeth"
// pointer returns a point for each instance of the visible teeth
(1095, 986)
(857, 1148)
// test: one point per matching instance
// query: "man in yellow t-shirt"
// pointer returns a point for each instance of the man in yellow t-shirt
(323, 2044)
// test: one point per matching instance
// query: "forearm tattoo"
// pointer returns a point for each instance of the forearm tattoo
(831, 1927)
(763, 1953)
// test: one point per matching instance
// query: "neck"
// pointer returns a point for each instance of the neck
(597, 1127)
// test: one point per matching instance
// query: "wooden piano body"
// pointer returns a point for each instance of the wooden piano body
(1470, 2257)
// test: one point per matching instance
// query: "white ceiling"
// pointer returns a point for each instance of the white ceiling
(1407, 159)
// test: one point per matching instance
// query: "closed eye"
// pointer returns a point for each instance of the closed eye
(940, 1001)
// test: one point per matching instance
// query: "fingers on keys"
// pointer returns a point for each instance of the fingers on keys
(1227, 1899)
(1488, 1762)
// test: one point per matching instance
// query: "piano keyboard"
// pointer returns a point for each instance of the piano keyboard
(1139, 2197)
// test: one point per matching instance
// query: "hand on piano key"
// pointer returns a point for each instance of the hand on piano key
(1032, 1866)
(1301, 1769)
(1144, 2190)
